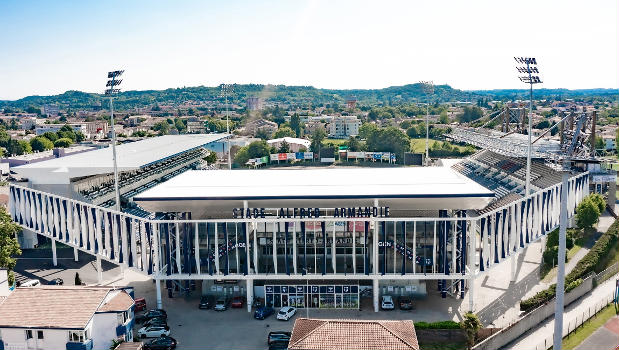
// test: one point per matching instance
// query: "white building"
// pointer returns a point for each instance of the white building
(294, 143)
(42, 129)
(59, 317)
(344, 126)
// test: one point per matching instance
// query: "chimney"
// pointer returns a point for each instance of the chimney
(4, 283)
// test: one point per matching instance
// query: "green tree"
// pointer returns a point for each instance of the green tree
(587, 213)
(63, 142)
(263, 134)
(367, 129)
(353, 144)
(52, 136)
(471, 326)
(211, 158)
(470, 114)
(9, 247)
(41, 143)
(413, 132)
(25, 145)
(4, 137)
(295, 124)
(253, 150)
(390, 139)
(180, 126)
(317, 137)
(162, 127)
(443, 118)
(79, 136)
(405, 124)
(284, 147)
(598, 200)
(284, 131)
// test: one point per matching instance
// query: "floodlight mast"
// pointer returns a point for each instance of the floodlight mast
(428, 89)
(112, 90)
(531, 67)
(226, 88)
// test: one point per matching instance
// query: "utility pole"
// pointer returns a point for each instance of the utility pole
(428, 89)
(226, 89)
(111, 91)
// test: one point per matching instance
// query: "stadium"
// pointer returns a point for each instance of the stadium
(310, 238)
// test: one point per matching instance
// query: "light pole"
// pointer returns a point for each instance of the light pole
(428, 89)
(111, 90)
(226, 89)
(530, 67)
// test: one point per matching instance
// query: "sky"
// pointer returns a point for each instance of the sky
(48, 47)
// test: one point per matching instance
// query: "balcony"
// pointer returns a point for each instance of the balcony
(121, 330)
(87, 345)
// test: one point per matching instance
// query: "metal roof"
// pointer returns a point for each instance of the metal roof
(131, 156)
(417, 187)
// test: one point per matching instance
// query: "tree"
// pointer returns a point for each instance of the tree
(405, 124)
(284, 131)
(295, 124)
(41, 143)
(353, 144)
(78, 280)
(471, 326)
(8, 243)
(390, 139)
(211, 158)
(263, 134)
(163, 127)
(284, 147)
(255, 149)
(317, 137)
(180, 126)
(413, 132)
(25, 145)
(52, 136)
(470, 113)
(79, 136)
(587, 213)
(598, 200)
(367, 129)
(443, 118)
(4, 137)
(63, 142)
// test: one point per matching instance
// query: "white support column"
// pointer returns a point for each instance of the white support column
(354, 247)
(99, 270)
(375, 293)
(275, 248)
(513, 267)
(250, 293)
(54, 258)
(216, 253)
(333, 251)
(254, 229)
(375, 250)
(158, 288)
(472, 252)
(415, 247)
(75, 255)
(294, 246)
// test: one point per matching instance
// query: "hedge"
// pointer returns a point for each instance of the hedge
(591, 262)
(437, 325)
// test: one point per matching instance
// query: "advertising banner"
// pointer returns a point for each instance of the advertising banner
(308, 155)
(273, 157)
(327, 160)
(265, 159)
(282, 156)
(291, 156)
(299, 155)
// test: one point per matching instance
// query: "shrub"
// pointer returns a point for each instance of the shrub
(587, 213)
(63, 142)
(437, 325)
(545, 296)
(598, 200)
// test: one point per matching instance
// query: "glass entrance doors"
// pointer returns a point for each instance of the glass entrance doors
(313, 296)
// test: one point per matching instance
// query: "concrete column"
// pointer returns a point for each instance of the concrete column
(99, 270)
(54, 258)
(543, 244)
(471, 294)
(250, 293)
(375, 293)
(75, 255)
(158, 287)
(513, 268)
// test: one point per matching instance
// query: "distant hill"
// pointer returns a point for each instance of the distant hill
(296, 95)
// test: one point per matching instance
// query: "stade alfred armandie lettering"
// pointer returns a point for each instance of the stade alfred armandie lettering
(301, 213)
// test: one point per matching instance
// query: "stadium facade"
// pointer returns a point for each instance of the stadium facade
(306, 238)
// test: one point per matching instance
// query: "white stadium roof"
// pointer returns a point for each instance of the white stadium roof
(211, 191)
(131, 156)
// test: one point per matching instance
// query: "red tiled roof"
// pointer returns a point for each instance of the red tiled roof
(315, 334)
(120, 302)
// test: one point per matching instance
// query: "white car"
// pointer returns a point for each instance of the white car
(286, 313)
(153, 331)
(31, 283)
(387, 303)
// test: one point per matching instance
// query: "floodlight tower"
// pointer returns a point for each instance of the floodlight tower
(225, 90)
(428, 89)
(112, 89)
(529, 68)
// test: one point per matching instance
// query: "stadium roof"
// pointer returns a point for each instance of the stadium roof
(212, 192)
(131, 156)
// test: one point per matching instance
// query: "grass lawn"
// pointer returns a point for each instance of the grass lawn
(595, 322)
(419, 145)
(443, 346)
(337, 142)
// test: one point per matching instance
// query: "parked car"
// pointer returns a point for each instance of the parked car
(258, 302)
(278, 336)
(206, 302)
(156, 321)
(387, 302)
(153, 331)
(161, 343)
(286, 313)
(30, 283)
(140, 304)
(221, 304)
(56, 282)
(406, 303)
(263, 312)
(237, 302)
(279, 345)
(151, 314)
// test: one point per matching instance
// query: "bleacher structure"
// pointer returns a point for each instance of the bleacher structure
(99, 189)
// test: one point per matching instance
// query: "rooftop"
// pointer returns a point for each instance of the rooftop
(131, 156)
(414, 187)
(67, 307)
(317, 334)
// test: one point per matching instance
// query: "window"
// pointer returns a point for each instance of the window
(28, 334)
(122, 318)
(40, 335)
(78, 336)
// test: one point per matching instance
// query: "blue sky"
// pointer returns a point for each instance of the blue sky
(48, 47)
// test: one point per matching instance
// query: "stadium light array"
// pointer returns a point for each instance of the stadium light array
(112, 90)
(428, 89)
(226, 89)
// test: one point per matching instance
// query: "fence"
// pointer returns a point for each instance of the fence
(578, 320)
(606, 274)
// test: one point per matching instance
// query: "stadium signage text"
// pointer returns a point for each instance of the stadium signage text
(300, 213)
